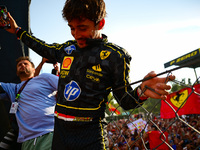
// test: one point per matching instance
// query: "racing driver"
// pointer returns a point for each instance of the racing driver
(90, 68)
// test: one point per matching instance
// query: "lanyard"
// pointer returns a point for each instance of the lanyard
(20, 90)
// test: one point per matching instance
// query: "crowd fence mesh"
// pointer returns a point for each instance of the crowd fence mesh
(133, 129)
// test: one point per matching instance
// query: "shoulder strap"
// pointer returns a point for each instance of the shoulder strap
(21, 89)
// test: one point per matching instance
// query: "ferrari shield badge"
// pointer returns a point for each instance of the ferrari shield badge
(104, 54)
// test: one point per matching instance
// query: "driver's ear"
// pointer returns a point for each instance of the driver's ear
(101, 24)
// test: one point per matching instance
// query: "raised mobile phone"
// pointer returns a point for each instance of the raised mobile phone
(4, 20)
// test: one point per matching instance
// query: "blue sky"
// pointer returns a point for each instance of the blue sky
(152, 31)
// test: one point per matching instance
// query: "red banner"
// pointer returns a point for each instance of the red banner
(183, 102)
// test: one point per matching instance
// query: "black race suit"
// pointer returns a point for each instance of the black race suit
(86, 77)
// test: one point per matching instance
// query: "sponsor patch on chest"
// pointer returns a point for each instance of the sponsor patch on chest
(70, 49)
(72, 91)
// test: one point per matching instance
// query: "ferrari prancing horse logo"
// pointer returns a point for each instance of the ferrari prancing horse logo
(104, 54)
(179, 99)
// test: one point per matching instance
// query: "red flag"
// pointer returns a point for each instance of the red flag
(112, 108)
(155, 140)
(183, 102)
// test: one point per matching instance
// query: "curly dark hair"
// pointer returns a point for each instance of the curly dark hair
(94, 10)
(25, 58)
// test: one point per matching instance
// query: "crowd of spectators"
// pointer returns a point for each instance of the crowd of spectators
(183, 133)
